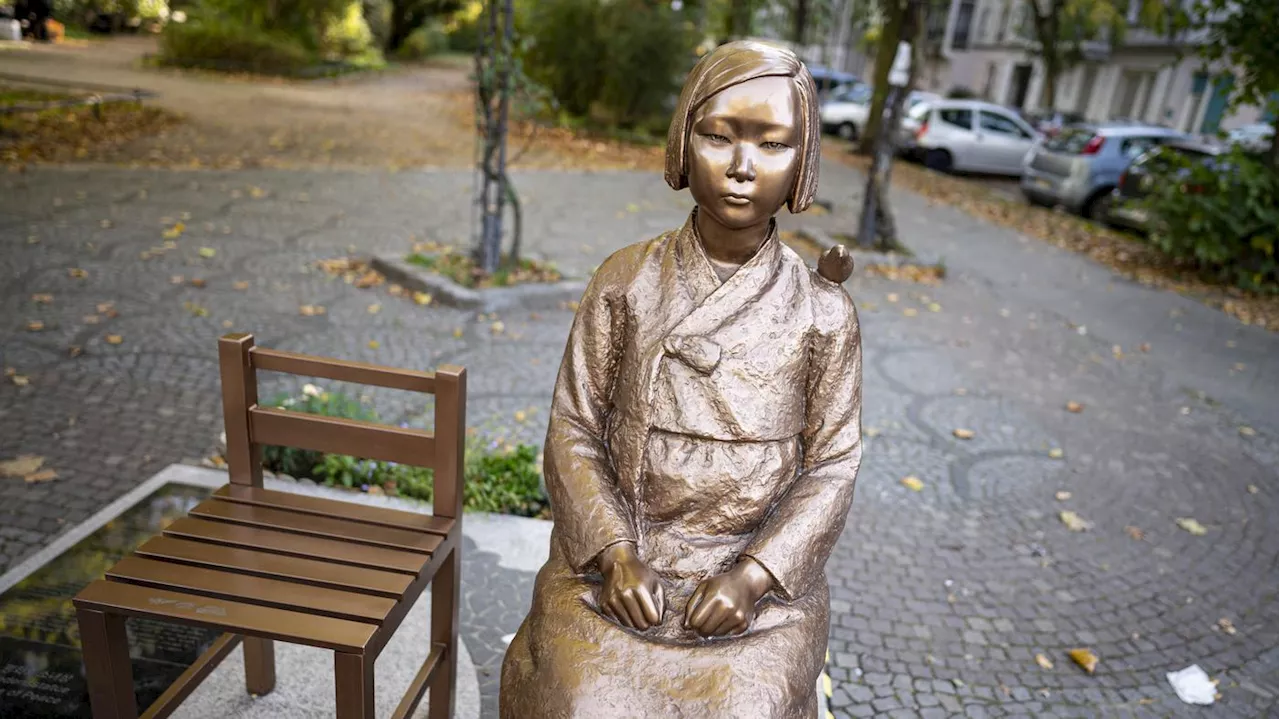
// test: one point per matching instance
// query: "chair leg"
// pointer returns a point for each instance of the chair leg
(259, 665)
(108, 668)
(353, 679)
(444, 630)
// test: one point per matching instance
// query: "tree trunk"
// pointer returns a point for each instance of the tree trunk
(801, 20)
(890, 34)
(403, 23)
(1046, 28)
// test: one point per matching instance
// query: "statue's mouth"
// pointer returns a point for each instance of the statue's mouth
(736, 199)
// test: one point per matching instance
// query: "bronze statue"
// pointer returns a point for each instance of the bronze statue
(705, 435)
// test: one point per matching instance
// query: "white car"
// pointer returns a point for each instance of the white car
(967, 136)
(846, 113)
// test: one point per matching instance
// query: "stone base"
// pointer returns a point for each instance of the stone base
(540, 295)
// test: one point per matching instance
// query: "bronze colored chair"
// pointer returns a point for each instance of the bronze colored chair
(262, 565)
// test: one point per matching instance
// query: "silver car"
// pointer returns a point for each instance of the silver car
(967, 136)
(1079, 167)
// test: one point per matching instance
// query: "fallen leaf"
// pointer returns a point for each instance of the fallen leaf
(1044, 662)
(114, 339)
(43, 475)
(892, 297)
(1087, 660)
(963, 433)
(1145, 347)
(1062, 496)
(91, 319)
(177, 280)
(374, 309)
(35, 326)
(42, 298)
(1226, 626)
(208, 252)
(1192, 526)
(21, 465)
(422, 298)
(520, 415)
(910, 312)
(935, 307)
(457, 332)
(1074, 522)
(195, 309)
(257, 193)
(175, 232)
(1075, 407)
(1134, 533)
(1252, 489)
(1055, 453)
(20, 380)
(497, 328)
(74, 351)
(373, 344)
(10, 371)
(1248, 431)
(912, 483)
(105, 308)
(310, 310)
(228, 324)
(198, 283)
(241, 285)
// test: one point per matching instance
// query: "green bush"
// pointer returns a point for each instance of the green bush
(620, 62)
(214, 41)
(499, 477)
(428, 40)
(347, 34)
(1218, 216)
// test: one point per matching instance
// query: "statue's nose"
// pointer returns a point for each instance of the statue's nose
(742, 169)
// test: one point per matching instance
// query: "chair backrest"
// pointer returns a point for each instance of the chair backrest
(250, 427)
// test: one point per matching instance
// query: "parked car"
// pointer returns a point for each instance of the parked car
(1079, 167)
(846, 113)
(966, 136)
(1136, 181)
(1254, 138)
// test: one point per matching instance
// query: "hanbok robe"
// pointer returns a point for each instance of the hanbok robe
(704, 422)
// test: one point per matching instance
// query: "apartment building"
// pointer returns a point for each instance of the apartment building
(989, 48)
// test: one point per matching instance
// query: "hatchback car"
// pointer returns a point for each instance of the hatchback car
(1079, 167)
(967, 136)
(846, 114)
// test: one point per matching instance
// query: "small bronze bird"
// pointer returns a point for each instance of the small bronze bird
(836, 264)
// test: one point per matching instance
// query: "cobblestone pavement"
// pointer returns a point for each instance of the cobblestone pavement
(941, 598)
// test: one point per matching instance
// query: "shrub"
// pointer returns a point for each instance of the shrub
(499, 477)
(1219, 216)
(214, 41)
(347, 34)
(424, 42)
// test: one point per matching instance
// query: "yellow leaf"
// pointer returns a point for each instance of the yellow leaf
(373, 344)
(77, 273)
(912, 483)
(35, 326)
(1087, 660)
(1074, 522)
(1055, 453)
(1044, 662)
(375, 309)
(520, 415)
(422, 298)
(311, 310)
(228, 324)
(1226, 625)
(963, 433)
(208, 252)
(177, 280)
(632, 207)
(1075, 407)
(43, 475)
(935, 307)
(257, 192)
(21, 465)
(1134, 533)
(910, 312)
(457, 332)
(1192, 526)
(1248, 431)
(20, 380)
(175, 232)
(241, 285)
(42, 298)
(1062, 496)
(497, 327)
(114, 339)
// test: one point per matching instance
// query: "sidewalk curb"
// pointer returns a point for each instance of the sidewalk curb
(864, 258)
(491, 299)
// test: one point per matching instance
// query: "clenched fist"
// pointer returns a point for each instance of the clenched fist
(726, 603)
(632, 593)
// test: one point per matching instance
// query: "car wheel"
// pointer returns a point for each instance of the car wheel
(847, 131)
(938, 159)
(1098, 207)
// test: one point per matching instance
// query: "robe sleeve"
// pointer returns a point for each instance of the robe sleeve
(796, 538)
(581, 482)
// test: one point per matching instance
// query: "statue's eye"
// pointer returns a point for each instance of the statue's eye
(775, 146)
(717, 139)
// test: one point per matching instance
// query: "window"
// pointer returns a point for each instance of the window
(1132, 147)
(982, 35)
(959, 117)
(964, 19)
(999, 124)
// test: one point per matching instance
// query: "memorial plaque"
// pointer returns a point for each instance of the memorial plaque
(41, 668)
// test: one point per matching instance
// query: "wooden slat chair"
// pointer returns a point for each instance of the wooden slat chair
(261, 565)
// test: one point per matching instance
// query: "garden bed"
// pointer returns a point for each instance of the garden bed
(500, 477)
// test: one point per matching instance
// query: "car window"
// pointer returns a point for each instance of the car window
(957, 116)
(1070, 141)
(992, 122)
(918, 111)
(1132, 147)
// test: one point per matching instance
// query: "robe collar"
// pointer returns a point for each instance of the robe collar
(712, 303)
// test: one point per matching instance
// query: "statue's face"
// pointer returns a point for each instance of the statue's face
(743, 151)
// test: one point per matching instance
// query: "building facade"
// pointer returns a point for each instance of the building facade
(989, 49)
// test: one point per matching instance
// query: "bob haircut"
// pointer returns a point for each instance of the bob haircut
(734, 63)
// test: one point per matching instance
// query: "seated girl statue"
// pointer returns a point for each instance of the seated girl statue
(704, 438)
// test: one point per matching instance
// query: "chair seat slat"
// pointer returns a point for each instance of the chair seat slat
(394, 518)
(317, 526)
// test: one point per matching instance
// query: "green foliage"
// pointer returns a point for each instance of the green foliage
(428, 40)
(499, 477)
(217, 41)
(1219, 217)
(619, 62)
(347, 34)
(1244, 34)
